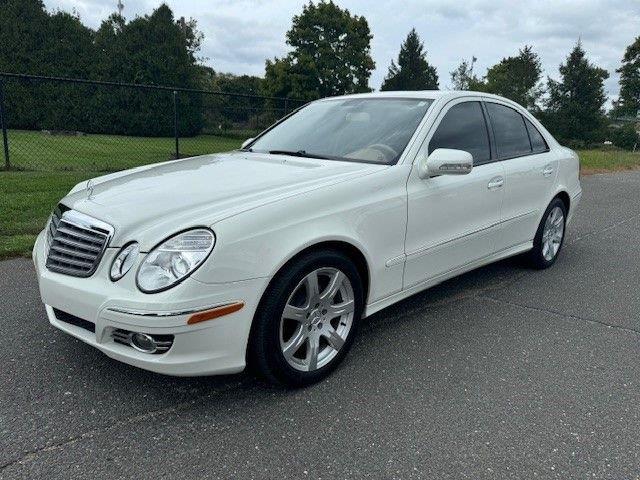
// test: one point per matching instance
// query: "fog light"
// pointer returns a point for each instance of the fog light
(143, 342)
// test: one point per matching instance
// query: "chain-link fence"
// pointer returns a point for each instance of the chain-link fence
(63, 124)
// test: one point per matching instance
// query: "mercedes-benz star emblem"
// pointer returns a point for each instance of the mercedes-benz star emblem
(90, 188)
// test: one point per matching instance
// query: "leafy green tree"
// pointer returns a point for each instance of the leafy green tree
(412, 72)
(625, 137)
(464, 78)
(34, 41)
(331, 55)
(575, 107)
(517, 78)
(285, 77)
(241, 113)
(628, 103)
(151, 49)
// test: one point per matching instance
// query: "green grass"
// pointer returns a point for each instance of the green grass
(27, 197)
(50, 165)
(609, 160)
(26, 200)
(103, 153)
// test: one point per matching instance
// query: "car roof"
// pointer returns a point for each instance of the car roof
(427, 94)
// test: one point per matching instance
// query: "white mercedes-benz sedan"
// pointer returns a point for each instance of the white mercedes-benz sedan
(271, 255)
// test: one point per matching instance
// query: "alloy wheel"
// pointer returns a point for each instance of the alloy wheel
(316, 319)
(552, 234)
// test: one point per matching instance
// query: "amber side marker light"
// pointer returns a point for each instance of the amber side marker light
(215, 313)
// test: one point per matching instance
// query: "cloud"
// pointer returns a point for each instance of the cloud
(241, 34)
(239, 44)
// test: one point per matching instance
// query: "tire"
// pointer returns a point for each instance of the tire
(546, 251)
(319, 322)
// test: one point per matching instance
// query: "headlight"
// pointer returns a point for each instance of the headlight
(175, 259)
(124, 261)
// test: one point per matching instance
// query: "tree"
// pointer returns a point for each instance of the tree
(331, 55)
(516, 78)
(412, 72)
(242, 112)
(151, 49)
(628, 103)
(625, 137)
(34, 41)
(463, 78)
(575, 107)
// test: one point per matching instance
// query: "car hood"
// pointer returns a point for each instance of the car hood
(148, 203)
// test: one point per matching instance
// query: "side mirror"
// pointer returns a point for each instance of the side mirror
(247, 142)
(445, 161)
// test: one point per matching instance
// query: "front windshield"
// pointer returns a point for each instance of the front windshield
(373, 130)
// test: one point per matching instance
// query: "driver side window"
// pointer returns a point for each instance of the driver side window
(464, 128)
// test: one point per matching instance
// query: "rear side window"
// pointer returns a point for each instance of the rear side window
(537, 140)
(509, 130)
(463, 128)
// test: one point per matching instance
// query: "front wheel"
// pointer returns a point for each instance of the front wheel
(307, 320)
(549, 236)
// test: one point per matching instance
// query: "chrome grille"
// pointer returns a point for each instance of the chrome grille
(76, 242)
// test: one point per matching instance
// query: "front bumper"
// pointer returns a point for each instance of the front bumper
(211, 347)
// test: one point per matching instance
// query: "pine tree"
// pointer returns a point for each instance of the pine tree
(575, 107)
(412, 72)
(628, 103)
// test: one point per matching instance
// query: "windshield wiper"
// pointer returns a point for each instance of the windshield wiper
(298, 153)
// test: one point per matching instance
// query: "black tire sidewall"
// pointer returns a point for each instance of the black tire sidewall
(537, 256)
(265, 352)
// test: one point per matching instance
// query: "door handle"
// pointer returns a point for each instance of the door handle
(547, 171)
(496, 182)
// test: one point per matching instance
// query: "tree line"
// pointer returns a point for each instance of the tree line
(329, 54)
(156, 49)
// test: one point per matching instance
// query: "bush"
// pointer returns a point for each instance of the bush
(625, 137)
(573, 144)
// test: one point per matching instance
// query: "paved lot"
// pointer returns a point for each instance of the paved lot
(504, 372)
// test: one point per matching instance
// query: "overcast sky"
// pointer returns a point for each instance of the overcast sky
(241, 34)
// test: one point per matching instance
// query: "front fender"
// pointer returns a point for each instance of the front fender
(369, 214)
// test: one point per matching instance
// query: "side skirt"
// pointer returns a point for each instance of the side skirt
(396, 297)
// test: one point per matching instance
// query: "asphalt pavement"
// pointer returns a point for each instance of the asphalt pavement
(505, 372)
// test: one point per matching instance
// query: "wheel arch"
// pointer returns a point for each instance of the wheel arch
(566, 199)
(349, 249)
(353, 252)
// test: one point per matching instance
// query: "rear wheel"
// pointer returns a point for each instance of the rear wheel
(307, 320)
(549, 236)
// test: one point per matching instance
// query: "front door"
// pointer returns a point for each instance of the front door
(452, 219)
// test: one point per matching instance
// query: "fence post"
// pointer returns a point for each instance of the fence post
(175, 122)
(3, 124)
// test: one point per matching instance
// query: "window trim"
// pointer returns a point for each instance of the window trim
(528, 122)
(531, 153)
(493, 150)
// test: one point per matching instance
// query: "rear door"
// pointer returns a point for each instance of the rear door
(530, 172)
(452, 218)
